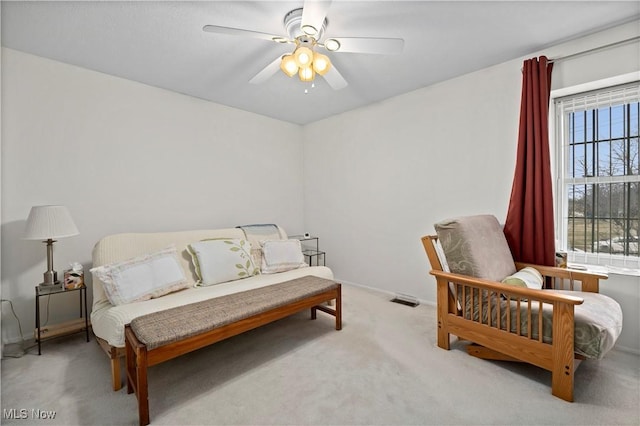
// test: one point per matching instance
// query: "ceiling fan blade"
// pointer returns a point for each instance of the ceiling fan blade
(267, 72)
(240, 32)
(335, 79)
(381, 46)
(313, 14)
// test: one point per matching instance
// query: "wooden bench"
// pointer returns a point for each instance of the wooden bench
(161, 336)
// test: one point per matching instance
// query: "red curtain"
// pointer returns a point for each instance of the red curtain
(529, 227)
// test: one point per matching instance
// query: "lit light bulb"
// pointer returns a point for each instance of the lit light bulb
(303, 56)
(306, 74)
(321, 63)
(288, 65)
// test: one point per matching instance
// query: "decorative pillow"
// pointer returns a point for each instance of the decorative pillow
(526, 277)
(281, 255)
(221, 260)
(142, 278)
(476, 246)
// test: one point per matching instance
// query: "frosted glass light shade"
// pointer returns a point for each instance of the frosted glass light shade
(288, 65)
(303, 56)
(306, 74)
(321, 63)
(48, 222)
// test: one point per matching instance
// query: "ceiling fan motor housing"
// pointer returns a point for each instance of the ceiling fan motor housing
(293, 25)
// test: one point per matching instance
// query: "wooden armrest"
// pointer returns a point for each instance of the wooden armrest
(522, 292)
(590, 281)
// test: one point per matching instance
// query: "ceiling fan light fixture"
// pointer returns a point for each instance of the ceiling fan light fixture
(321, 63)
(288, 65)
(303, 56)
(332, 45)
(306, 74)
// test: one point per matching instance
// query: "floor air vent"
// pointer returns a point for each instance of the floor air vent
(404, 299)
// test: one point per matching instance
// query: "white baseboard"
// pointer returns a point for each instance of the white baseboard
(626, 349)
(378, 290)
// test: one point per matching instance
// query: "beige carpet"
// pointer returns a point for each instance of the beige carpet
(382, 368)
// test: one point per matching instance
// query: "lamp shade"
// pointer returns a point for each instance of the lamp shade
(48, 222)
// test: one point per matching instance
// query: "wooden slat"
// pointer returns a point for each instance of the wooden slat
(540, 316)
(518, 321)
(61, 329)
(486, 353)
(508, 330)
(499, 315)
(510, 344)
(529, 325)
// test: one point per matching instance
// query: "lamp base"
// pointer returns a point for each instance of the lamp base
(50, 281)
(50, 277)
(46, 287)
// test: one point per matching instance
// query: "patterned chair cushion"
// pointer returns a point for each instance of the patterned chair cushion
(476, 246)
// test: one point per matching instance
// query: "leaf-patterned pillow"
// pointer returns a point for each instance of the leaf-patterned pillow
(221, 260)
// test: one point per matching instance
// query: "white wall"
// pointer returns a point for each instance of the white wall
(378, 178)
(125, 157)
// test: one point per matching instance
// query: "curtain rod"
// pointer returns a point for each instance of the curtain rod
(595, 49)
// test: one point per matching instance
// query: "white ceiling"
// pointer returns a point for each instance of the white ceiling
(162, 44)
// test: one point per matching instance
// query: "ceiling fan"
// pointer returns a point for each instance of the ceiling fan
(305, 28)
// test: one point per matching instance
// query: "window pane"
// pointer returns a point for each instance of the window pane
(603, 201)
(633, 118)
(618, 157)
(579, 165)
(589, 168)
(617, 121)
(589, 130)
(604, 159)
(578, 127)
(634, 160)
(604, 123)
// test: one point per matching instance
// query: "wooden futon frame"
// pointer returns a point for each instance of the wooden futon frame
(161, 336)
(458, 295)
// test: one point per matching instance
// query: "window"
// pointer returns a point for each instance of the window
(598, 187)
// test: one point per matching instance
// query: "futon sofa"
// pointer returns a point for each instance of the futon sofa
(244, 257)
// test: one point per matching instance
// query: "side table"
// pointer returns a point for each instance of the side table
(42, 333)
(312, 253)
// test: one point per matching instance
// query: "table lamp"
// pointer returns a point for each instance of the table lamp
(46, 223)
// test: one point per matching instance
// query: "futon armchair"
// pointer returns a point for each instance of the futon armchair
(500, 306)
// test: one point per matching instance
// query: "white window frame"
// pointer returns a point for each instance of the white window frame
(629, 264)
